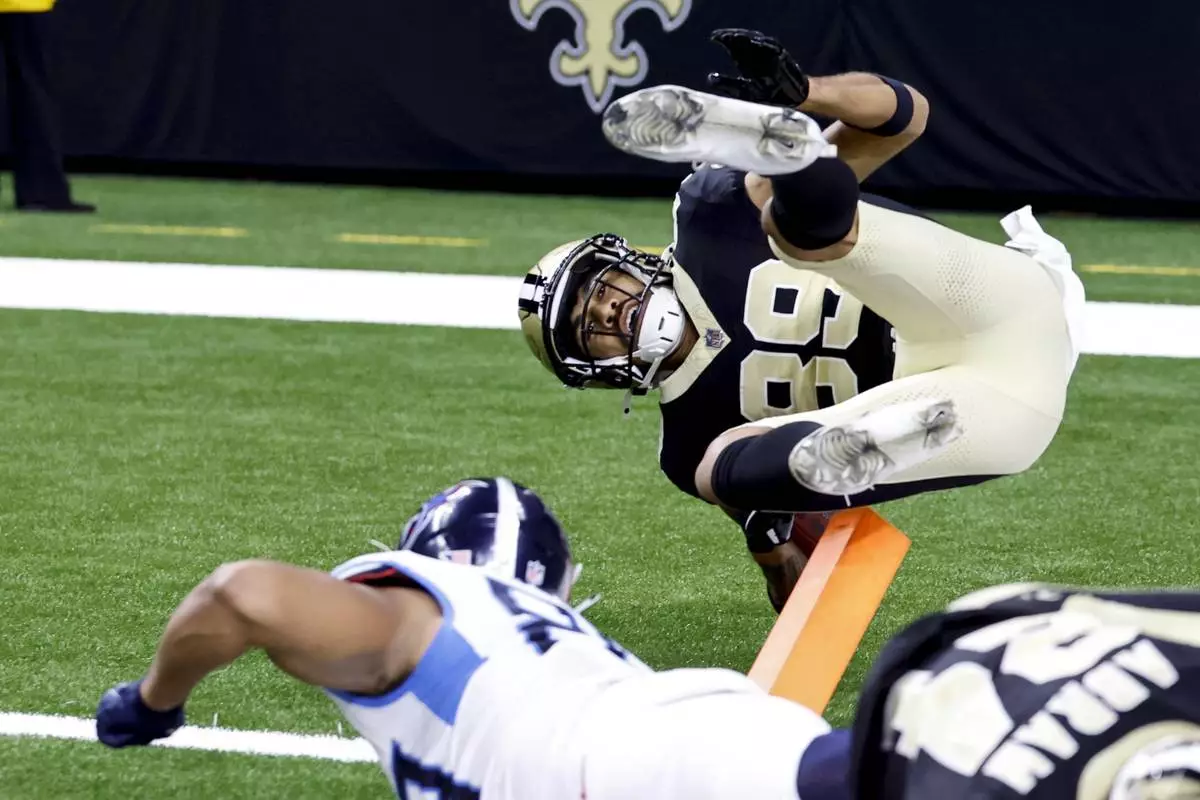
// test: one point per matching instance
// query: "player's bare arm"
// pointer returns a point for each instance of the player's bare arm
(858, 101)
(864, 106)
(876, 119)
(780, 544)
(299, 617)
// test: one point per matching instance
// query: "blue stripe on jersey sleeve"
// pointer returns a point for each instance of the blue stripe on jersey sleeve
(441, 675)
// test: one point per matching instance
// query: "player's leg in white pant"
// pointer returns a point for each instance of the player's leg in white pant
(712, 747)
(954, 301)
(936, 285)
(854, 455)
(1007, 383)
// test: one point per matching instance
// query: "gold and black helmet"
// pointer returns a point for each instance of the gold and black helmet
(553, 287)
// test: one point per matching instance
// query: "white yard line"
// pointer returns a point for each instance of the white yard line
(1142, 329)
(403, 298)
(319, 295)
(194, 737)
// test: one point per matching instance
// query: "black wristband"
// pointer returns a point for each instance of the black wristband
(766, 530)
(900, 119)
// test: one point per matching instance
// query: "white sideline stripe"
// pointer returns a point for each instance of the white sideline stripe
(317, 295)
(403, 298)
(194, 737)
(1141, 329)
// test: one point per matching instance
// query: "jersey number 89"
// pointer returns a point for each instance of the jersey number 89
(784, 306)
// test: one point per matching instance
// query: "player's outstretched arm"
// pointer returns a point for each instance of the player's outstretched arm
(319, 629)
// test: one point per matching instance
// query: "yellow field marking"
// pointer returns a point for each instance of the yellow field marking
(409, 239)
(1120, 269)
(172, 230)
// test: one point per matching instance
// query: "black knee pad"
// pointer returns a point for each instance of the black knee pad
(752, 474)
(815, 207)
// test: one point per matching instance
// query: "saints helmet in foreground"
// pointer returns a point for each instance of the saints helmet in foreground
(1166, 769)
(647, 320)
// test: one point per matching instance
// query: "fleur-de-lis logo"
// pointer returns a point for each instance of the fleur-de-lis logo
(599, 59)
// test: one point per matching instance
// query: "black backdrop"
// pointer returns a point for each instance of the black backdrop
(1061, 99)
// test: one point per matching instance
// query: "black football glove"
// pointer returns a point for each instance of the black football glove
(769, 74)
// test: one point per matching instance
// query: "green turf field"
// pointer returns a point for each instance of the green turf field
(290, 225)
(140, 452)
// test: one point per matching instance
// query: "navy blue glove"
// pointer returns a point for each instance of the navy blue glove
(123, 718)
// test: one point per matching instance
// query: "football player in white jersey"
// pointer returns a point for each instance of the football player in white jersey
(459, 660)
(814, 347)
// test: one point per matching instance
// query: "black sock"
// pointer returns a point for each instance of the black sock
(815, 207)
(752, 474)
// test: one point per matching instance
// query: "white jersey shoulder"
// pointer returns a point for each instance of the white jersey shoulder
(503, 647)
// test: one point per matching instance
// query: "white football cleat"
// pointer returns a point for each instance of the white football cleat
(851, 458)
(676, 124)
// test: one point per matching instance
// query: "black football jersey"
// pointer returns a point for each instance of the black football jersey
(773, 339)
(1032, 692)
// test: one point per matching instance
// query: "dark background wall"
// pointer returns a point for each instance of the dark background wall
(1080, 104)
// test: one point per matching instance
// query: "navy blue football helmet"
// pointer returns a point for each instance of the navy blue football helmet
(498, 525)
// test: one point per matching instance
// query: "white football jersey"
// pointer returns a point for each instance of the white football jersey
(505, 681)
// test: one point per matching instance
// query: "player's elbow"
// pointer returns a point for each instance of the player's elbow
(920, 114)
(238, 587)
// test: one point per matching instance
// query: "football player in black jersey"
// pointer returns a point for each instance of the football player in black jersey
(1027, 691)
(815, 347)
